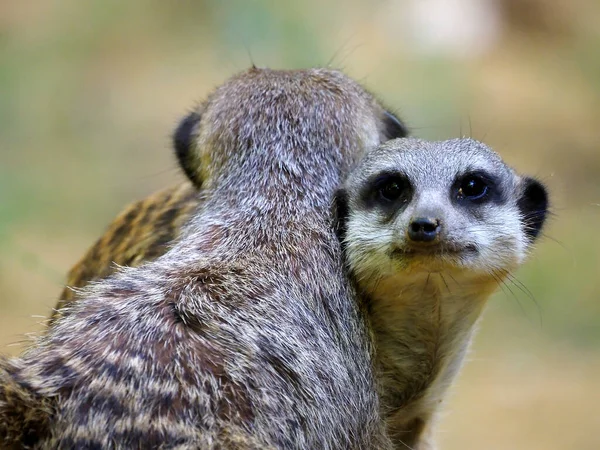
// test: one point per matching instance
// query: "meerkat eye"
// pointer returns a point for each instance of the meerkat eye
(473, 187)
(391, 188)
(391, 191)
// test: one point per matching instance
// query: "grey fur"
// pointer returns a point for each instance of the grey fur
(245, 334)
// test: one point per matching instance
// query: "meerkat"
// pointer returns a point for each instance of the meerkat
(142, 231)
(418, 357)
(429, 230)
(228, 340)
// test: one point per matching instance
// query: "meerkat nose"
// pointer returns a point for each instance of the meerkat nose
(424, 229)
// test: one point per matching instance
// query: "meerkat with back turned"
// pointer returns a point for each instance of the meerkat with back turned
(226, 340)
(429, 229)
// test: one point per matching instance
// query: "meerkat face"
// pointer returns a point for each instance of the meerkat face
(419, 206)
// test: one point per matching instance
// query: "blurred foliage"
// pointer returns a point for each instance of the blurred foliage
(90, 91)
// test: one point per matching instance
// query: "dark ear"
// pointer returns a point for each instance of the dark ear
(533, 205)
(392, 127)
(183, 141)
(340, 213)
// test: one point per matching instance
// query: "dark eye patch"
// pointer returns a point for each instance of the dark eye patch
(473, 188)
(387, 190)
(476, 188)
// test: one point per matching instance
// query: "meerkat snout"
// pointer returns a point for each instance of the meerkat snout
(424, 229)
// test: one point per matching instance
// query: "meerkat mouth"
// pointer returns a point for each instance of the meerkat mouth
(438, 250)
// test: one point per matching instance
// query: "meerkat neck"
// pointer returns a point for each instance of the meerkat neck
(423, 324)
(264, 208)
(279, 186)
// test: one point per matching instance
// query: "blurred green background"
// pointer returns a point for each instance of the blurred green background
(90, 92)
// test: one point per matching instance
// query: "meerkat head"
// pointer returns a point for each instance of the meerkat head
(265, 108)
(417, 206)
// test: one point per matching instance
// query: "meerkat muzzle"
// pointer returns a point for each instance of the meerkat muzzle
(424, 229)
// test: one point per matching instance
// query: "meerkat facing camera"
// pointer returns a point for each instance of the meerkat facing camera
(428, 230)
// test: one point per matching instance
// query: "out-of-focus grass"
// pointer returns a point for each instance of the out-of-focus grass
(90, 92)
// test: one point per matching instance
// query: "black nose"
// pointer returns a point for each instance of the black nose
(423, 229)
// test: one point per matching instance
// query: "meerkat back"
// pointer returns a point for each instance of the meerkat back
(228, 340)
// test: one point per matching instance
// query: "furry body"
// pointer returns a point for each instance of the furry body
(227, 340)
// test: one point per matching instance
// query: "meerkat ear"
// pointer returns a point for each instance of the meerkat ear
(183, 141)
(392, 127)
(340, 213)
(533, 204)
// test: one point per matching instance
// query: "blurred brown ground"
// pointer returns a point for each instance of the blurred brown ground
(90, 91)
